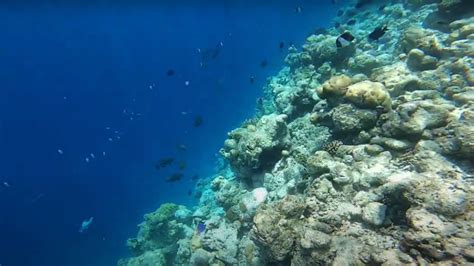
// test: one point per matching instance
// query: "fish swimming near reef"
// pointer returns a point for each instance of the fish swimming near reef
(344, 39)
(195, 177)
(200, 228)
(198, 120)
(351, 22)
(320, 30)
(264, 63)
(182, 165)
(174, 177)
(362, 3)
(281, 45)
(181, 147)
(170, 72)
(252, 79)
(85, 225)
(377, 33)
(209, 54)
(164, 162)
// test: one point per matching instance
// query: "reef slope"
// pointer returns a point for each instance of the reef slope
(358, 155)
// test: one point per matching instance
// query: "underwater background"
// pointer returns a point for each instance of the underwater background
(89, 106)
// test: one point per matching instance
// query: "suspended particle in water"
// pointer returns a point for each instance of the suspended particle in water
(60, 151)
(186, 83)
(87, 159)
(92, 156)
(110, 139)
(103, 153)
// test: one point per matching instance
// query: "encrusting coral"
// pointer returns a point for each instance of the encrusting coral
(360, 155)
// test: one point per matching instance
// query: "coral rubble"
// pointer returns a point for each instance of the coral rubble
(358, 155)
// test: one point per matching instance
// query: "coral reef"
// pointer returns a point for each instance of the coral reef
(360, 155)
(159, 235)
(252, 149)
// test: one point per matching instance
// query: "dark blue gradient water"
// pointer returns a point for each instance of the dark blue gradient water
(73, 76)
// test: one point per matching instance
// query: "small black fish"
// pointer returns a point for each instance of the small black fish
(190, 192)
(282, 45)
(337, 25)
(362, 3)
(170, 72)
(198, 121)
(182, 165)
(351, 22)
(164, 162)
(344, 39)
(377, 33)
(174, 177)
(209, 53)
(252, 79)
(382, 7)
(264, 63)
(320, 30)
(340, 12)
(215, 53)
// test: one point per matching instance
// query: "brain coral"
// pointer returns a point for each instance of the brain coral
(336, 85)
(369, 94)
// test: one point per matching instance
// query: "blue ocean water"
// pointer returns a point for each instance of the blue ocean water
(87, 109)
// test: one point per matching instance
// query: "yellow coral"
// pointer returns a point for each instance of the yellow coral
(369, 94)
(196, 241)
(336, 85)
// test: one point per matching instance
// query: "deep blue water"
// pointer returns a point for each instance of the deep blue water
(69, 72)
